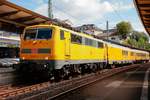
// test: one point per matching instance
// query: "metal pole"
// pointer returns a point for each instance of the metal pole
(50, 11)
(107, 27)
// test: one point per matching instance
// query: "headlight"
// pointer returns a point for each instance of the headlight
(46, 58)
(23, 58)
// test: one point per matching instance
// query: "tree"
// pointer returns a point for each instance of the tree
(124, 28)
(137, 35)
(139, 40)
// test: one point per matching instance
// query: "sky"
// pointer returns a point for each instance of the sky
(88, 11)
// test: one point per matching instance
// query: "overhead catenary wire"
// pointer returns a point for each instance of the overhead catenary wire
(116, 12)
(70, 15)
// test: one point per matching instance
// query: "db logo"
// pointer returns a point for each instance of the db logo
(34, 51)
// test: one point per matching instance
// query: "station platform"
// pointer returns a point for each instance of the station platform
(129, 85)
(8, 62)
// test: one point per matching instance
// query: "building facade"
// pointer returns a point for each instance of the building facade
(90, 29)
(8, 39)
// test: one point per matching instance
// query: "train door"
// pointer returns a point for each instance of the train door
(67, 45)
(106, 54)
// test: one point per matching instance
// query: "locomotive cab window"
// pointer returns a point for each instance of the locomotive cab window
(30, 34)
(44, 33)
(39, 33)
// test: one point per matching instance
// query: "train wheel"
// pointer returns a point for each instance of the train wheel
(94, 68)
(57, 77)
(65, 73)
(113, 66)
(105, 65)
(101, 66)
(83, 69)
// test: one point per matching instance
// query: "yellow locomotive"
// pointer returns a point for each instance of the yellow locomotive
(61, 52)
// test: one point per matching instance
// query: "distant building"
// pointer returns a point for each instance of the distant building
(67, 21)
(8, 39)
(112, 35)
(90, 29)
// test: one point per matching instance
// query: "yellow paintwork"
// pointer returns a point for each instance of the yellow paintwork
(64, 49)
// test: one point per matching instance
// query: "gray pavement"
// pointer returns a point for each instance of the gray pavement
(130, 85)
(7, 62)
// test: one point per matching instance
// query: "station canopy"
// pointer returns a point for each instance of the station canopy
(143, 7)
(14, 18)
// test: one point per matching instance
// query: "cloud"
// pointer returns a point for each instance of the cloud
(38, 1)
(81, 11)
(120, 6)
(43, 9)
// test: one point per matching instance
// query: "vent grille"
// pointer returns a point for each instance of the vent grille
(44, 50)
(41, 50)
(26, 51)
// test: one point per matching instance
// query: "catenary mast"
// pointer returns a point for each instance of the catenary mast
(50, 11)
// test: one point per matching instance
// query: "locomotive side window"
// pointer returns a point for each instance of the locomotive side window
(94, 43)
(76, 39)
(62, 35)
(88, 42)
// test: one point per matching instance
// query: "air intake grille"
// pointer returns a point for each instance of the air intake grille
(41, 50)
(44, 50)
(26, 51)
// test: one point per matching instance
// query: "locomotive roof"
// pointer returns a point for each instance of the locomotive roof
(90, 36)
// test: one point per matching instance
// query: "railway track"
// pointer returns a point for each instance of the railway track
(7, 76)
(49, 90)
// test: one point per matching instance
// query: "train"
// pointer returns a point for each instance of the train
(60, 53)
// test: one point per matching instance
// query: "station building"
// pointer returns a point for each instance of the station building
(9, 44)
(8, 39)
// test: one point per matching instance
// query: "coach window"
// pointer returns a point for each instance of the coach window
(83, 40)
(62, 35)
(76, 39)
(86, 41)
(125, 53)
(132, 54)
(90, 42)
(94, 43)
(100, 45)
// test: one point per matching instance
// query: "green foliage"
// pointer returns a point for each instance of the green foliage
(137, 35)
(132, 38)
(139, 40)
(124, 28)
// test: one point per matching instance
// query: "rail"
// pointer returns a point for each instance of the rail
(48, 90)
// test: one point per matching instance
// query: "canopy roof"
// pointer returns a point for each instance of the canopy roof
(14, 17)
(143, 7)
